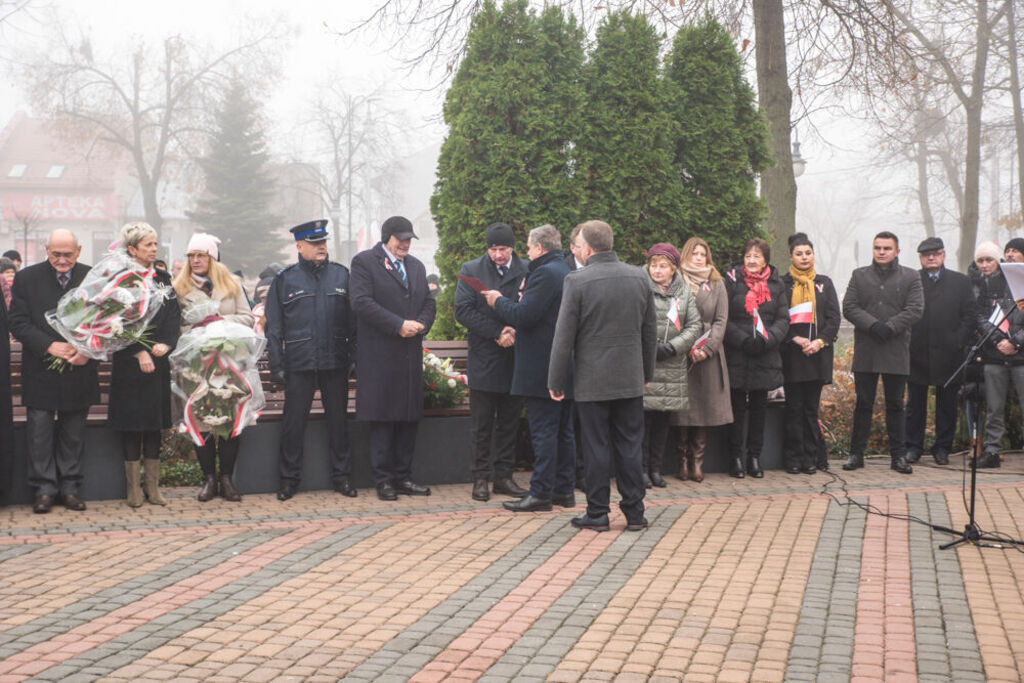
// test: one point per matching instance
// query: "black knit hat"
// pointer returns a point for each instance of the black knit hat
(500, 235)
(1016, 243)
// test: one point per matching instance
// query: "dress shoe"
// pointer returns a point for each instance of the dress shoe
(647, 481)
(410, 488)
(528, 504)
(592, 523)
(509, 487)
(901, 465)
(481, 490)
(809, 469)
(913, 455)
(228, 491)
(754, 467)
(345, 488)
(286, 490)
(42, 504)
(737, 468)
(73, 502)
(209, 490)
(941, 456)
(854, 462)
(386, 491)
(566, 501)
(823, 465)
(793, 470)
(657, 479)
(637, 526)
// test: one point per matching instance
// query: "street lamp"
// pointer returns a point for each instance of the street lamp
(799, 163)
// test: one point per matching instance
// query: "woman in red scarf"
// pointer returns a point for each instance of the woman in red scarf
(758, 322)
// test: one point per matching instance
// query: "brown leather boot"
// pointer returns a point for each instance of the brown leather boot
(698, 446)
(209, 490)
(227, 489)
(683, 451)
(133, 476)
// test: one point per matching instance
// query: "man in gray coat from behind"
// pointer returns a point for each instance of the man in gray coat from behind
(883, 301)
(607, 329)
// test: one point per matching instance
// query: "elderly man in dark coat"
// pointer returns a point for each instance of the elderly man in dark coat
(937, 344)
(57, 403)
(533, 315)
(607, 332)
(394, 310)
(494, 412)
(883, 301)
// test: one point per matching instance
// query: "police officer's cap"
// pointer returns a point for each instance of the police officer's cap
(313, 231)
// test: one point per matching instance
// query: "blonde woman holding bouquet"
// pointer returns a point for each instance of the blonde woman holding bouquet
(204, 280)
(140, 382)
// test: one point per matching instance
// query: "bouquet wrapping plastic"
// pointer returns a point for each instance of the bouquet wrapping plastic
(443, 387)
(215, 377)
(111, 309)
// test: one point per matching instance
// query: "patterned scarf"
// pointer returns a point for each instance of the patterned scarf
(757, 288)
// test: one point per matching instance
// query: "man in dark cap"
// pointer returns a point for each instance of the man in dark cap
(310, 333)
(395, 311)
(937, 344)
(494, 412)
(14, 256)
(1014, 250)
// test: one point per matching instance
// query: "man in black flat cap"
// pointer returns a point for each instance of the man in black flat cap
(310, 334)
(937, 344)
(494, 412)
(394, 310)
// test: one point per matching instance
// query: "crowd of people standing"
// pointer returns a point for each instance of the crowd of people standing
(607, 358)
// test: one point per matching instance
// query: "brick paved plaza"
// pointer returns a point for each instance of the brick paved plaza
(735, 580)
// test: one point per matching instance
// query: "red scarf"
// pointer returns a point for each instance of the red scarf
(757, 288)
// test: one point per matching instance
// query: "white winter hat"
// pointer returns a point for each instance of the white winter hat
(204, 242)
(990, 249)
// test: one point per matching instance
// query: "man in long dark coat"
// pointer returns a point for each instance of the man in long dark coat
(394, 311)
(494, 412)
(57, 403)
(937, 344)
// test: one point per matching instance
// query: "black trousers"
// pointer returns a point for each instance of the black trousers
(298, 397)
(613, 432)
(494, 427)
(214, 446)
(391, 447)
(866, 385)
(56, 440)
(917, 415)
(748, 408)
(803, 444)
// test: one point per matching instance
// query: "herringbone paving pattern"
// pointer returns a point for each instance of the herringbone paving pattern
(784, 578)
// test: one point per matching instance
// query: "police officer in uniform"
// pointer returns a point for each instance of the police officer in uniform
(310, 341)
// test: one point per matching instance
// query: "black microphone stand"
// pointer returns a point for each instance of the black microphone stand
(971, 533)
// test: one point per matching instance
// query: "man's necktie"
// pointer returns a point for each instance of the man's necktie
(63, 279)
(502, 270)
(401, 272)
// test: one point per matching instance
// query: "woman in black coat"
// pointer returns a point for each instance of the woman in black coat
(758, 322)
(807, 356)
(140, 381)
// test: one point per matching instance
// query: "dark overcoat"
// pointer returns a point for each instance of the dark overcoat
(140, 401)
(889, 295)
(762, 370)
(939, 339)
(36, 291)
(988, 292)
(389, 367)
(6, 425)
(534, 315)
(489, 366)
(796, 367)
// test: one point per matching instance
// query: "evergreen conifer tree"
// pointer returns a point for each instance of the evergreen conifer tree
(512, 111)
(235, 206)
(626, 149)
(722, 139)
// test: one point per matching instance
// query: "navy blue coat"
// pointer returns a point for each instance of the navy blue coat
(389, 367)
(310, 325)
(489, 366)
(534, 317)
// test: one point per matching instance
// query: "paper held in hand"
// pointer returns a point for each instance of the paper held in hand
(1014, 274)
